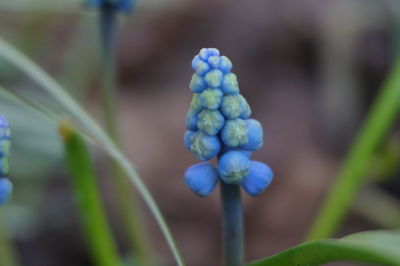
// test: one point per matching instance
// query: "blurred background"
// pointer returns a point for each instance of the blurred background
(310, 70)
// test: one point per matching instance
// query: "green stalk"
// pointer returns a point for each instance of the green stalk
(96, 227)
(7, 252)
(126, 200)
(232, 223)
(377, 124)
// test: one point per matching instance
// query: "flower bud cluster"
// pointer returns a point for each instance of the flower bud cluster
(218, 124)
(5, 143)
(123, 6)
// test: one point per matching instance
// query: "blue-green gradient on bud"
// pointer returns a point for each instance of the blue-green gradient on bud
(234, 133)
(203, 146)
(197, 83)
(214, 78)
(232, 106)
(211, 98)
(230, 84)
(233, 166)
(210, 121)
(201, 178)
(6, 188)
(192, 118)
(258, 178)
(255, 135)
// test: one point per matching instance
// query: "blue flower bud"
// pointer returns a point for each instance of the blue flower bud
(230, 84)
(233, 166)
(4, 128)
(192, 118)
(254, 135)
(204, 147)
(214, 78)
(246, 110)
(5, 146)
(211, 98)
(232, 106)
(199, 66)
(205, 53)
(214, 61)
(210, 121)
(197, 84)
(234, 133)
(258, 178)
(225, 65)
(187, 139)
(201, 178)
(5, 190)
(195, 104)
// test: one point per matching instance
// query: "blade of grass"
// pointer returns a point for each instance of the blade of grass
(96, 227)
(377, 124)
(23, 63)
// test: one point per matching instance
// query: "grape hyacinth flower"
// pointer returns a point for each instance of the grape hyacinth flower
(218, 125)
(5, 144)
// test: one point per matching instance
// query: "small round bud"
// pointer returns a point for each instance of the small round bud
(233, 166)
(258, 178)
(234, 132)
(225, 64)
(211, 98)
(246, 110)
(204, 147)
(210, 121)
(214, 61)
(197, 84)
(214, 78)
(232, 106)
(192, 118)
(201, 178)
(254, 135)
(195, 104)
(187, 139)
(205, 53)
(5, 190)
(230, 84)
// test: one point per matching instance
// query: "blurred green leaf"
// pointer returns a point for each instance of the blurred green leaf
(376, 247)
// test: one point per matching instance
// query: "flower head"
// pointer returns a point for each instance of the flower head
(218, 125)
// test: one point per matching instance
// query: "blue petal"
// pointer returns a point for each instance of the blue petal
(254, 135)
(233, 166)
(201, 178)
(5, 190)
(258, 178)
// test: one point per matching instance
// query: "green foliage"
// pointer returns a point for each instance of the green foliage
(376, 247)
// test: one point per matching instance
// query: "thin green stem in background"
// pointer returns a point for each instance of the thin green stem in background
(126, 200)
(232, 223)
(381, 117)
(7, 252)
(96, 227)
(23, 63)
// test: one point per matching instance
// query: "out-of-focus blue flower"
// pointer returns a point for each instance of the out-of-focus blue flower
(201, 178)
(5, 190)
(123, 6)
(233, 166)
(258, 178)
(218, 123)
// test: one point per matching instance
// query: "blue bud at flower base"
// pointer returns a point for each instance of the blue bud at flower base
(233, 166)
(204, 147)
(258, 178)
(201, 178)
(254, 135)
(5, 190)
(227, 148)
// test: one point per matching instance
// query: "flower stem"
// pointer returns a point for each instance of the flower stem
(232, 223)
(126, 200)
(7, 252)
